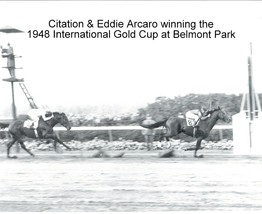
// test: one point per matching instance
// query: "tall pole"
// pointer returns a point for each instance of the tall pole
(13, 102)
(250, 90)
(251, 104)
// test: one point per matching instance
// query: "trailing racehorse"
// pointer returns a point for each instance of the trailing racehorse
(45, 131)
(176, 125)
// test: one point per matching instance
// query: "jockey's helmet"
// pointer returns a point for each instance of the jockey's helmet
(48, 114)
(213, 104)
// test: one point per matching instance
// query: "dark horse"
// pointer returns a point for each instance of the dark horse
(45, 131)
(176, 125)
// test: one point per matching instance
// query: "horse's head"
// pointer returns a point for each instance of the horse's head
(63, 120)
(222, 115)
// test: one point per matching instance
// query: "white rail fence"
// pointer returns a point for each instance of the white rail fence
(220, 128)
(110, 129)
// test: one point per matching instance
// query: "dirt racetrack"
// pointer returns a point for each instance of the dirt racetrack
(139, 181)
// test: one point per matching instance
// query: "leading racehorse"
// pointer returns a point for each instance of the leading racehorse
(44, 129)
(176, 125)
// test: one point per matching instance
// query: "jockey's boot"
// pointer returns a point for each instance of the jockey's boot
(194, 131)
(195, 127)
(36, 134)
(35, 125)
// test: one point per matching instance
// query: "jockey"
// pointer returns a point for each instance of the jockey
(35, 114)
(197, 114)
(200, 114)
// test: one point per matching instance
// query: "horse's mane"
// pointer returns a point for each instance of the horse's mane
(213, 110)
(58, 113)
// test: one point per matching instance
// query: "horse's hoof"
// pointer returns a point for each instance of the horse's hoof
(199, 156)
(105, 155)
(98, 154)
(12, 157)
(120, 155)
(166, 154)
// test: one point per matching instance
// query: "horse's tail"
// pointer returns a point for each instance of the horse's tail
(154, 125)
(4, 125)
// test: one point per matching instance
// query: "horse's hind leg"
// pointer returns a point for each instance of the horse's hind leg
(9, 145)
(165, 136)
(23, 147)
(55, 145)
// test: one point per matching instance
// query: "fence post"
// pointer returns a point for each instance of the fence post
(221, 134)
(110, 135)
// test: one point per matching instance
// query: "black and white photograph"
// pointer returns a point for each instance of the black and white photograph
(130, 106)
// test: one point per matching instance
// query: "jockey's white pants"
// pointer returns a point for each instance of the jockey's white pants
(34, 115)
(192, 116)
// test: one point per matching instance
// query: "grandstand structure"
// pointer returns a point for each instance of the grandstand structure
(8, 54)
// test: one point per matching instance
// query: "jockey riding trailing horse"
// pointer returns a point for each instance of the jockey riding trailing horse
(35, 114)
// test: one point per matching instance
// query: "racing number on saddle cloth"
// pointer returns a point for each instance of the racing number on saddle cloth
(28, 123)
(190, 121)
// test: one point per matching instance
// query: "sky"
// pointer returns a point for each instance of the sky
(129, 72)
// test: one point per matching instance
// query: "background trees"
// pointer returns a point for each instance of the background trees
(164, 107)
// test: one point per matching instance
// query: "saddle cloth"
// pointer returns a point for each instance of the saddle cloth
(190, 121)
(192, 117)
(28, 124)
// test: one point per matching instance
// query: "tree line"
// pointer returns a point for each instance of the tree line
(164, 107)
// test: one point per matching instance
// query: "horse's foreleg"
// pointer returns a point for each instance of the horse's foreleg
(24, 148)
(56, 139)
(59, 141)
(197, 148)
(9, 145)
(57, 148)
